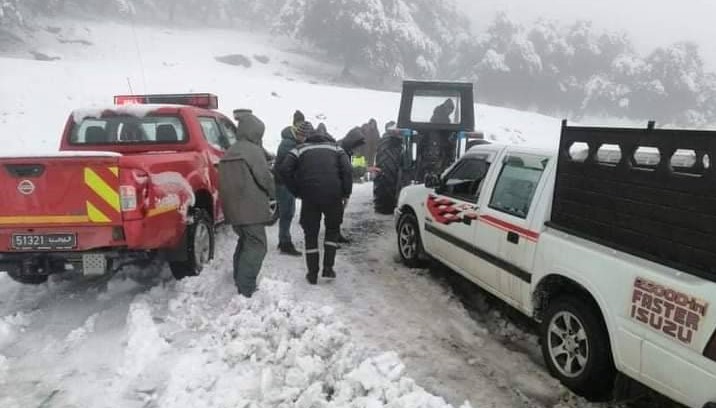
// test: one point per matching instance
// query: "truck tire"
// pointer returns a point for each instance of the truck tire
(385, 185)
(575, 346)
(199, 246)
(410, 246)
(28, 279)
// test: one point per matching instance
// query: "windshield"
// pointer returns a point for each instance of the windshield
(129, 130)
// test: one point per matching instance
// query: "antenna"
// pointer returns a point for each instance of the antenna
(139, 52)
(129, 83)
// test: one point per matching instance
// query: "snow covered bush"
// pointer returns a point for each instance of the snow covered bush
(397, 38)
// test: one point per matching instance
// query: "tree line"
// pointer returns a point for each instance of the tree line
(566, 69)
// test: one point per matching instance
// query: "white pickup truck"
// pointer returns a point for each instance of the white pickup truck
(609, 243)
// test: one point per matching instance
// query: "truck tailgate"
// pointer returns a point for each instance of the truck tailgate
(59, 191)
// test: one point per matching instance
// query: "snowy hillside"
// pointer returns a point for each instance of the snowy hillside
(97, 61)
(381, 335)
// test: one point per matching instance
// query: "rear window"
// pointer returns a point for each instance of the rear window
(441, 107)
(129, 130)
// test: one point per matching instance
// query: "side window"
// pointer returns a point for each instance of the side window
(465, 179)
(228, 130)
(516, 184)
(212, 133)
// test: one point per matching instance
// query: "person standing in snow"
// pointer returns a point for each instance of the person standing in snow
(353, 140)
(319, 173)
(246, 187)
(290, 138)
(372, 136)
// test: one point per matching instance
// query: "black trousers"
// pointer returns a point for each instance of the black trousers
(311, 214)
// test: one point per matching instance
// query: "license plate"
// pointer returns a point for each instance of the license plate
(44, 241)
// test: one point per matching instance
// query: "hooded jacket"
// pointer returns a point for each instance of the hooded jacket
(246, 184)
(353, 140)
(318, 171)
(288, 143)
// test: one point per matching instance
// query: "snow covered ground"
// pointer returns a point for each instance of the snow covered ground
(37, 96)
(381, 335)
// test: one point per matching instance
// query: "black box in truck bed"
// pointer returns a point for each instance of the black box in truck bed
(649, 192)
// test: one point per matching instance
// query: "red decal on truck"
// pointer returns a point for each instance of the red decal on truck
(506, 226)
(446, 211)
(674, 313)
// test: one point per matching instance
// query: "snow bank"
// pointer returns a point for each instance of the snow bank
(10, 327)
(274, 351)
(4, 367)
(144, 344)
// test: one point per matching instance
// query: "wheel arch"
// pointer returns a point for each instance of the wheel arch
(205, 201)
(555, 285)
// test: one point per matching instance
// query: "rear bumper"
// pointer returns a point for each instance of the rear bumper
(46, 263)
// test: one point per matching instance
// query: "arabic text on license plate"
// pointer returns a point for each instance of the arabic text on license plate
(44, 241)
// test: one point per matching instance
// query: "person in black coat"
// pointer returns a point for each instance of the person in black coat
(320, 174)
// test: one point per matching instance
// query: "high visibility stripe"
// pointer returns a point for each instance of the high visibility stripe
(96, 215)
(161, 210)
(43, 219)
(114, 170)
(307, 147)
(311, 251)
(329, 243)
(102, 189)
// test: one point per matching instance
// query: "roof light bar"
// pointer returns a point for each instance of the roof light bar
(199, 100)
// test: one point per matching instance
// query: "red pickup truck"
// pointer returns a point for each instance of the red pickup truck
(131, 182)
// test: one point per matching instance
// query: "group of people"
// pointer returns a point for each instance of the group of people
(310, 165)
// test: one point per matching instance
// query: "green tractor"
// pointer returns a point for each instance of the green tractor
(436, 124)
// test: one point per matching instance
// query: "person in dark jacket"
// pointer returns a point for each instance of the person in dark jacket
(246, 187)
(321, 129)
(353, 141)
(319, 173)
(290, 138)
(442, 112)
(372, 136)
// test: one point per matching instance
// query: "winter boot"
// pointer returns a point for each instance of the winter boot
(287, 248)
(312, 278)
(328, 272)
(312, 259)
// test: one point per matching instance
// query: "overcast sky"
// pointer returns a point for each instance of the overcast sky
(650, 22)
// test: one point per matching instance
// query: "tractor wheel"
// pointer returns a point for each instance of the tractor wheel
(385, 185)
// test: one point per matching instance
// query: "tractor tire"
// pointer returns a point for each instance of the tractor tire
(386, 183)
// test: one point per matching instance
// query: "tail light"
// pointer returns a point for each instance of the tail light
(133, 193)
(128, 198)
(710, 351)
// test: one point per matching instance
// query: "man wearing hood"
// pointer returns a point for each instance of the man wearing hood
(319, 173)
(246, 187)
(290, 138)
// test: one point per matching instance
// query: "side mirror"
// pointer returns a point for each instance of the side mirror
(432, 180)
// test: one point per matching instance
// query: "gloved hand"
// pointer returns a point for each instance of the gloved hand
(274, 211)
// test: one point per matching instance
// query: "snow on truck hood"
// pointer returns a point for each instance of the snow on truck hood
(136, 110)
(60, 154)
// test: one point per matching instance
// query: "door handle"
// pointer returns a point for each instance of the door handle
(513, 237)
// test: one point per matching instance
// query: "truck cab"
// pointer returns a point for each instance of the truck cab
(131, 181)
(605, 242)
